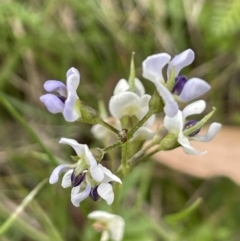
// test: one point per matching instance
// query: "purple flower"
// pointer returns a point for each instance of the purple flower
(66, 101)
(187, 90)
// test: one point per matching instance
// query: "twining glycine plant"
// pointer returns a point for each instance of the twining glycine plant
(128, 128)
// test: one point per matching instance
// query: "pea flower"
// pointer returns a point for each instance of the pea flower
(86, 177)
(186, 90)
(111, 225)
(66, 101)
(177, 124)
(125, 102)
(131, 103)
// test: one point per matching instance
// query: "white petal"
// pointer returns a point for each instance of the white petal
(153, 65)
(121, 86)
(74, 72)
(184, 142)
(99, 131)
(127, 103)
(212, 131)
(105, 235)
(79, 148)
(66, 181)
(171, 106)
(143, 133)
(76, 198)
(193, 89)
(105, 191)
(108, 175)
(196, 107)
(139, 88)
(90, 160)
(174, 124)
(115, 223)
(180, 61)
(101, 216)
(57, 171)
(150, 121)
(116, 228)
(70, 112)
(96, 173)
(73, 78)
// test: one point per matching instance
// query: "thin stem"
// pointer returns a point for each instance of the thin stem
(109, 148)
(111, 128)
(124, 158)
(139, 124)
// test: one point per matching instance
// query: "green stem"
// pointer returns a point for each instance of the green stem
(124, 158)
(111, 128)
(109, 148)
(30, 131)
(139, 124)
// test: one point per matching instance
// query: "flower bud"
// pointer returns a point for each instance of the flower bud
(88, 114)
(156, 104)
(169, 142)
(97, 153)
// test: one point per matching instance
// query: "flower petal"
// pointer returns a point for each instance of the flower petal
(115, 223)
(153, 65)
(108, 175)
(70, 112)
(56, 85)
(139, 88)
(99, 132)
(53, 103)
(212, 131)
(73, 71)
(127, 103)
(57, 171)
(79, 148)
(184, 142)
(171, 106)
(193, 89)
(66, 181)
(96, 173)
(196, 107)
(121, 86)
(105, 191)
(180, 61)
(101, 215)
(143, 133)
(116, 228)
(76, 198)
(174, 124)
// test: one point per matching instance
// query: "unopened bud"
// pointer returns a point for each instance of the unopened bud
(156, 104)
(169, 142)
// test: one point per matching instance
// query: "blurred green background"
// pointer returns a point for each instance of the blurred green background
(41, 40)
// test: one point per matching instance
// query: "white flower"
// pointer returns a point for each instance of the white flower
(87, 177)
(92, 188)
(127, 103)
(111, 225)
(123, 86)
(176, 125)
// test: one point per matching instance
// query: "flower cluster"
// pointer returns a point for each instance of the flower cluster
(132, 114)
